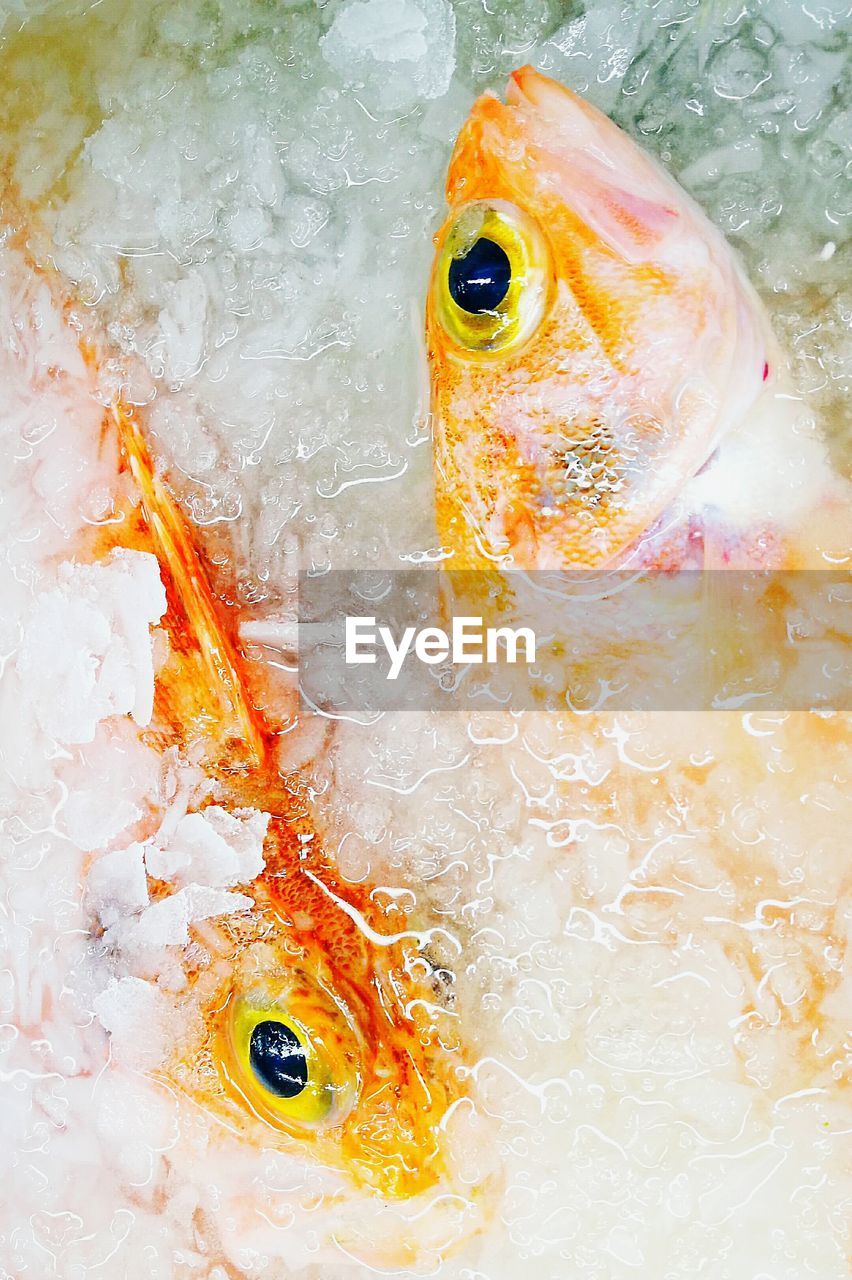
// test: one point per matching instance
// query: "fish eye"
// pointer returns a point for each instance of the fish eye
(291, 1057)
(492, 277)
(278, 1059)
(479, 280)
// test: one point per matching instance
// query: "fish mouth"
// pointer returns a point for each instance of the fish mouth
(618, 192)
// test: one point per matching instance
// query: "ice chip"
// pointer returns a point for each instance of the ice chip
(386, 29)
(203, 903)
(138, 1017)
(394, 51)
(106, 783)
(166, 923)
(165, 864)
(92, 818)
(163, 924)
(182, 325)
(104, 665)
(65, 687)
(213, 848)
(247, 227)
(117, 884)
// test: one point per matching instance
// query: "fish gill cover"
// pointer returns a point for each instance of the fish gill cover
(597, 965)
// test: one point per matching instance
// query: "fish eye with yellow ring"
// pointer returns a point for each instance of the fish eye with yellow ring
(296, 1068)
(492, 277)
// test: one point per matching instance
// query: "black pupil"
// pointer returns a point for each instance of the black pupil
(278, 1059)
(480, 280)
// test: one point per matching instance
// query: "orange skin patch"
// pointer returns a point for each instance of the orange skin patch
(649, 346)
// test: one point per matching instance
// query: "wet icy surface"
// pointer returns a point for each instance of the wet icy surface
(255, 226)
(651, 912)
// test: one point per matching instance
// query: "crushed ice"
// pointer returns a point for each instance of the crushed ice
(244, 196)
(86, 650)
(396, 52)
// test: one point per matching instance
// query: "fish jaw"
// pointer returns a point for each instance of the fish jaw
(564, 452)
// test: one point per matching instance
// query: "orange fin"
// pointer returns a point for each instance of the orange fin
(180, 559)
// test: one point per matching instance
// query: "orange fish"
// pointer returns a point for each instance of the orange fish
(308, 1020)
(592, 340)
(310, 1026)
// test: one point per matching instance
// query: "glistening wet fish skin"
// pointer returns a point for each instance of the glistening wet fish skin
(570, 419)
(352, 971)
(312, 950)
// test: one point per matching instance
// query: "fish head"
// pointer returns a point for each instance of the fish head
(590, 337)
(316, 1025)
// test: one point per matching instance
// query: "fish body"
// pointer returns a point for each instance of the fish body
(339, 963)
(574, 418)
(212, 929)
(317, 955)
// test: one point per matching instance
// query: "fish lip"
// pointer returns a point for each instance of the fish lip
(532, 85)
(617, 189)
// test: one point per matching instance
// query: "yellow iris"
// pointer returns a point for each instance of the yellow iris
(291, 1054)
(496, 324)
